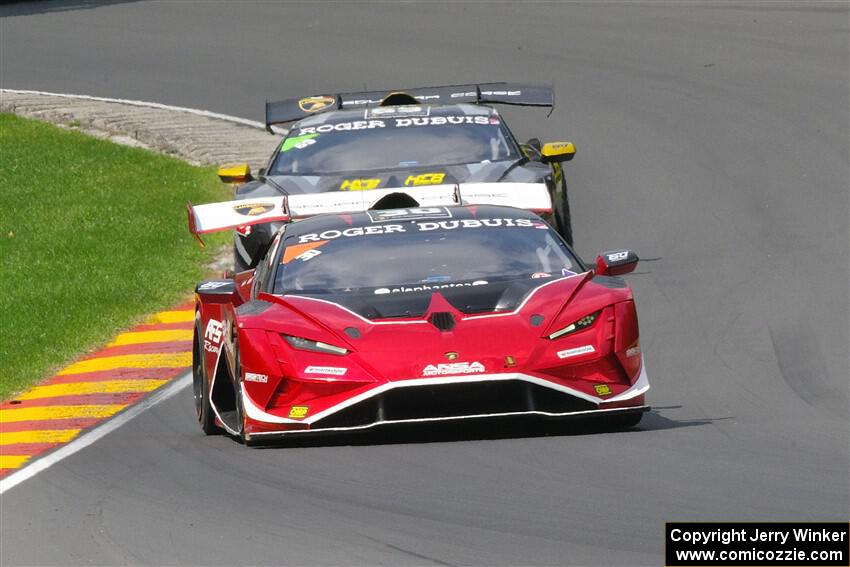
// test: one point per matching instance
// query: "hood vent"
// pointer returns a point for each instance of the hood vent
(395, 201)
(443, 320)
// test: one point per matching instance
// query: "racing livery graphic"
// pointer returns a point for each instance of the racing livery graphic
(454, 308)
(417, 138)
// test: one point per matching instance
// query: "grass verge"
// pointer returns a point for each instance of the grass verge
(92, 237)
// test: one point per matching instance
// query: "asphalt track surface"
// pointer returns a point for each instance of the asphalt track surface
(713, 138)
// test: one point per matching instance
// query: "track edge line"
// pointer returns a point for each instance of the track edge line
(93, 435)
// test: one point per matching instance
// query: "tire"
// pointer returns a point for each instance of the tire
(201, 384)
(255, 246)
(239, 264)
(562, 217)
(237, 394)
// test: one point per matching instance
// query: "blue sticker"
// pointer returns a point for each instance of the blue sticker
(566, 272)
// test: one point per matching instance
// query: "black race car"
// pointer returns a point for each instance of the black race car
(382, 139)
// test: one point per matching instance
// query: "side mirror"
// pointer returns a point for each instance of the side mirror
(616, 263)
(235, 173)
(556, 152)
(218, 291)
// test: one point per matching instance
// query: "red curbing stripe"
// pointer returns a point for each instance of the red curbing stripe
(144, 348)
(103, 398)
(4, 472)
(117, 374)
(43, 425)
(31, 449)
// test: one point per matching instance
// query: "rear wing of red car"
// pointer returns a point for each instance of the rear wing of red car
(215, 217)
(515, 94)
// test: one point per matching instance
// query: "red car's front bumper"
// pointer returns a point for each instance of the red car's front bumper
(450, 398)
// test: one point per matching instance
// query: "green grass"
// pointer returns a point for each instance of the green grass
(92, 237)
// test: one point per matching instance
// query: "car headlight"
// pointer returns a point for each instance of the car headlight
(582, 323)
(301, 343)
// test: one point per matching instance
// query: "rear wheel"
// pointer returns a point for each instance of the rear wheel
(200, 383)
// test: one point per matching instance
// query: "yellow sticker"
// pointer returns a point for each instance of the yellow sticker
(359, 184)
(316, 103)
(424, 179)
(253, 209)
(602, 389)
(297, 412)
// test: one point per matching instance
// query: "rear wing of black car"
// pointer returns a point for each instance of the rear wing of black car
(514, 94)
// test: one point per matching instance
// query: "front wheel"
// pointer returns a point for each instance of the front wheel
(237, 394)
(200, 383)
(562, 216)
(239, 264)
(564, 223)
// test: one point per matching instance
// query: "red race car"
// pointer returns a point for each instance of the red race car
(371, 315)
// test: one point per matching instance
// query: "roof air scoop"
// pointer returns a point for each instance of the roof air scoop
(395, 201)
(443, 320)
(398, 99)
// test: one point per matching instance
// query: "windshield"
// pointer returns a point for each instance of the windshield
(388, 143)
(395, 266)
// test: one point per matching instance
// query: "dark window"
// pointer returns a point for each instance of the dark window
(265, 267)
(337, 151)
(423, 258)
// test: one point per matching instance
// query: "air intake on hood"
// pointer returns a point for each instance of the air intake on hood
(396, 201)
(443, 320)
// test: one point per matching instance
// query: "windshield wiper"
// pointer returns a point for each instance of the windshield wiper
(276, 185)
(521, 161)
